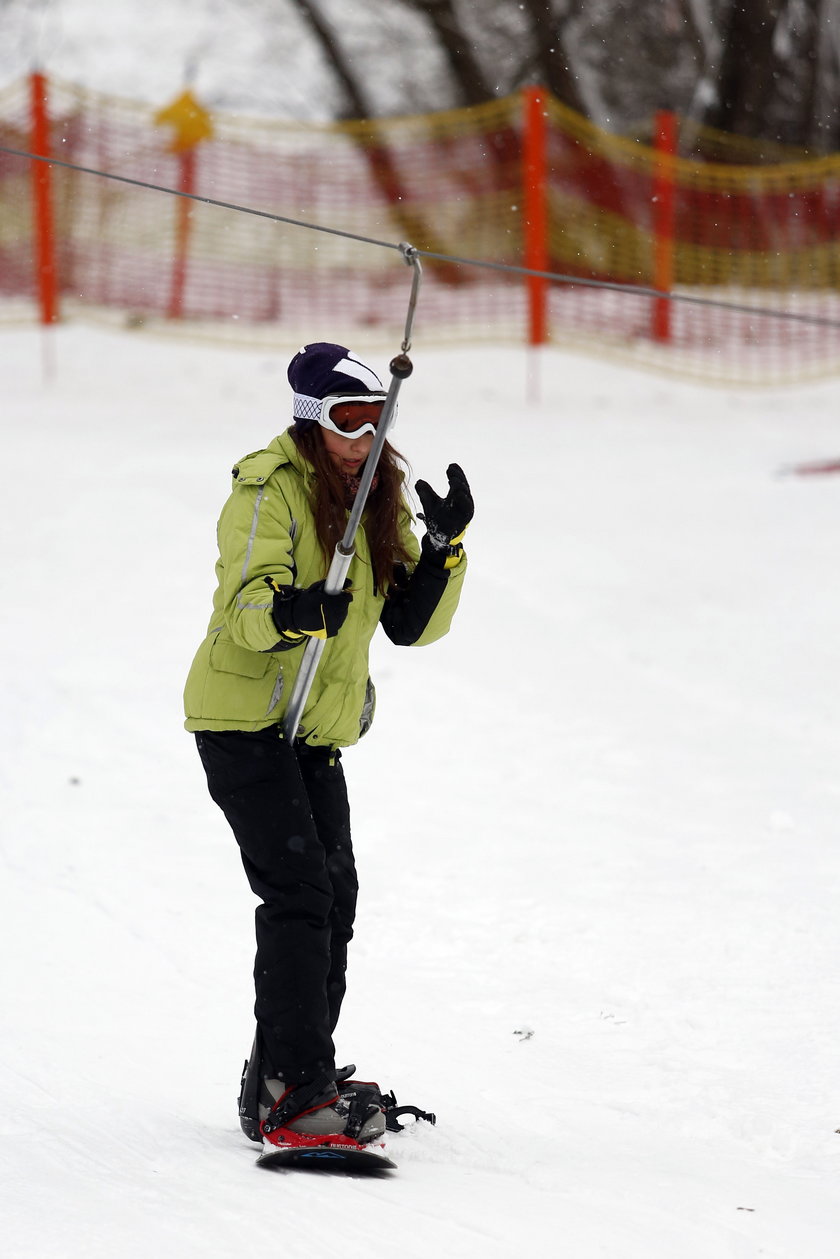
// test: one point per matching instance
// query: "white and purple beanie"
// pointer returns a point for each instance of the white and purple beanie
(319, 370)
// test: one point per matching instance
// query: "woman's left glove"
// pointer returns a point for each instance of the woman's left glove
(447, 518)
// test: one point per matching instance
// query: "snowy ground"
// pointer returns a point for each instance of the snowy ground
(596, 826)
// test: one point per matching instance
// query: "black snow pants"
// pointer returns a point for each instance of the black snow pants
(287, 806)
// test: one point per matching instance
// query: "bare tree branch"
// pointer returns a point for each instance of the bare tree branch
(473, 84)
(767, 69)
(358, 105)
(375, 149)
(550, 52)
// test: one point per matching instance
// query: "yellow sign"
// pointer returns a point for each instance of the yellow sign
(190, 121)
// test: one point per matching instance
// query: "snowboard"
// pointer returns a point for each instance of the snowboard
(327, 1158)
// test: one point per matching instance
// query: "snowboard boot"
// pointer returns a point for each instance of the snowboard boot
(316, 1114)
(353, 1108)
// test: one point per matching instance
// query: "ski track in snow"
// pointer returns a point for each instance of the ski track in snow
(595, 826)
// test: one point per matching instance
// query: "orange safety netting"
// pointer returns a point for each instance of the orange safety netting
(456, 183)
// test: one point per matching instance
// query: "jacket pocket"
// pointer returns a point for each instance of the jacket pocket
(230, 658)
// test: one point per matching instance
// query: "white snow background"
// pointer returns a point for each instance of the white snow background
(596, 826)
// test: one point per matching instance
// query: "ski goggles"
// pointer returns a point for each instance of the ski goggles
(350, 415)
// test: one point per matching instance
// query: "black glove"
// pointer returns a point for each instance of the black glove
(311, 611)
(446, 518)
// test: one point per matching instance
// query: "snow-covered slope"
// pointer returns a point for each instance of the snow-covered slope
(596, 826)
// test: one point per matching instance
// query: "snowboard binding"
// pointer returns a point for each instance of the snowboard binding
(359, 1095)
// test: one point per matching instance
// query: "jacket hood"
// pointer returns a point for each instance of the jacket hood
(257, 467)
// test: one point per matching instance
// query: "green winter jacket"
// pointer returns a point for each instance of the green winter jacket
(239, 680)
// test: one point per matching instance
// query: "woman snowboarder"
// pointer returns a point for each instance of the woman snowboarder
(286, 800)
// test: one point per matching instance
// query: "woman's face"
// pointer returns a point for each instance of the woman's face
(347, 453)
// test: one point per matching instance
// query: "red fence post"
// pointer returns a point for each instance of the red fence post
(191, 124)
(535, 211)
(42, 206)
(183, 211)
(664, 214)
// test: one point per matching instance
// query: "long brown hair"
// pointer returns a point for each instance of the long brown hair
(385, 511)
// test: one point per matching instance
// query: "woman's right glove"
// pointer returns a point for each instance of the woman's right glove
(447, 518)
(310, 611)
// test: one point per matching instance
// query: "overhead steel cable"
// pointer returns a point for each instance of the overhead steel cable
(822, 321)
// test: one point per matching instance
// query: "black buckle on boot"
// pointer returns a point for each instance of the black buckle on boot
(298, 1099)
(363, 1098)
